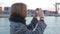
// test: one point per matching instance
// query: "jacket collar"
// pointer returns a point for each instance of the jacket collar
(16, 18)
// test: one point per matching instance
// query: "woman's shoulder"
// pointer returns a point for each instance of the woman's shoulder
(16, 24)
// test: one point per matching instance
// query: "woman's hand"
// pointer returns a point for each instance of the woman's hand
(41, 14)
(36, 13)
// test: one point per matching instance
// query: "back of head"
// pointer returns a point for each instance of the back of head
(19, 9)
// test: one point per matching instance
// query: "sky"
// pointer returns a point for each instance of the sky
(32, 4)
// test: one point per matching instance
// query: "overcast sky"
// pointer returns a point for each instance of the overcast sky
(32, 4)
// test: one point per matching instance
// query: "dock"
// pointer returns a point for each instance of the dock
(7, 15)
(4, 15)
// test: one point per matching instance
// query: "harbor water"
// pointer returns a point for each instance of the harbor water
(53, 25)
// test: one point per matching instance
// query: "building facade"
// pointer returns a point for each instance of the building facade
(0, 10)
(6, 10)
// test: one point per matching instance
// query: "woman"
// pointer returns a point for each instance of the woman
(17, 21)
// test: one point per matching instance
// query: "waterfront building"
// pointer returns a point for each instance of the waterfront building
(6, 10)
(0, 10)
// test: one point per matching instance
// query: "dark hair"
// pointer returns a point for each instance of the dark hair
(37, 8)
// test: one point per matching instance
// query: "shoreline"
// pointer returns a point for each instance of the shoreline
(7, 15)
(4, 15)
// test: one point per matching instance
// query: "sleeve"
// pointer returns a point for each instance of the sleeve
(42, 25)
(24, 30)
(33, 24)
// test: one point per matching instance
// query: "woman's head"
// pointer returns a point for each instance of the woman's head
(19, 9)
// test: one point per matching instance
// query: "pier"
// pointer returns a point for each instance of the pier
(4, 15)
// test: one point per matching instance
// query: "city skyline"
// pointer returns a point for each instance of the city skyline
(32, 4)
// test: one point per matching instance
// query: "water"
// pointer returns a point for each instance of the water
(53, 25)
